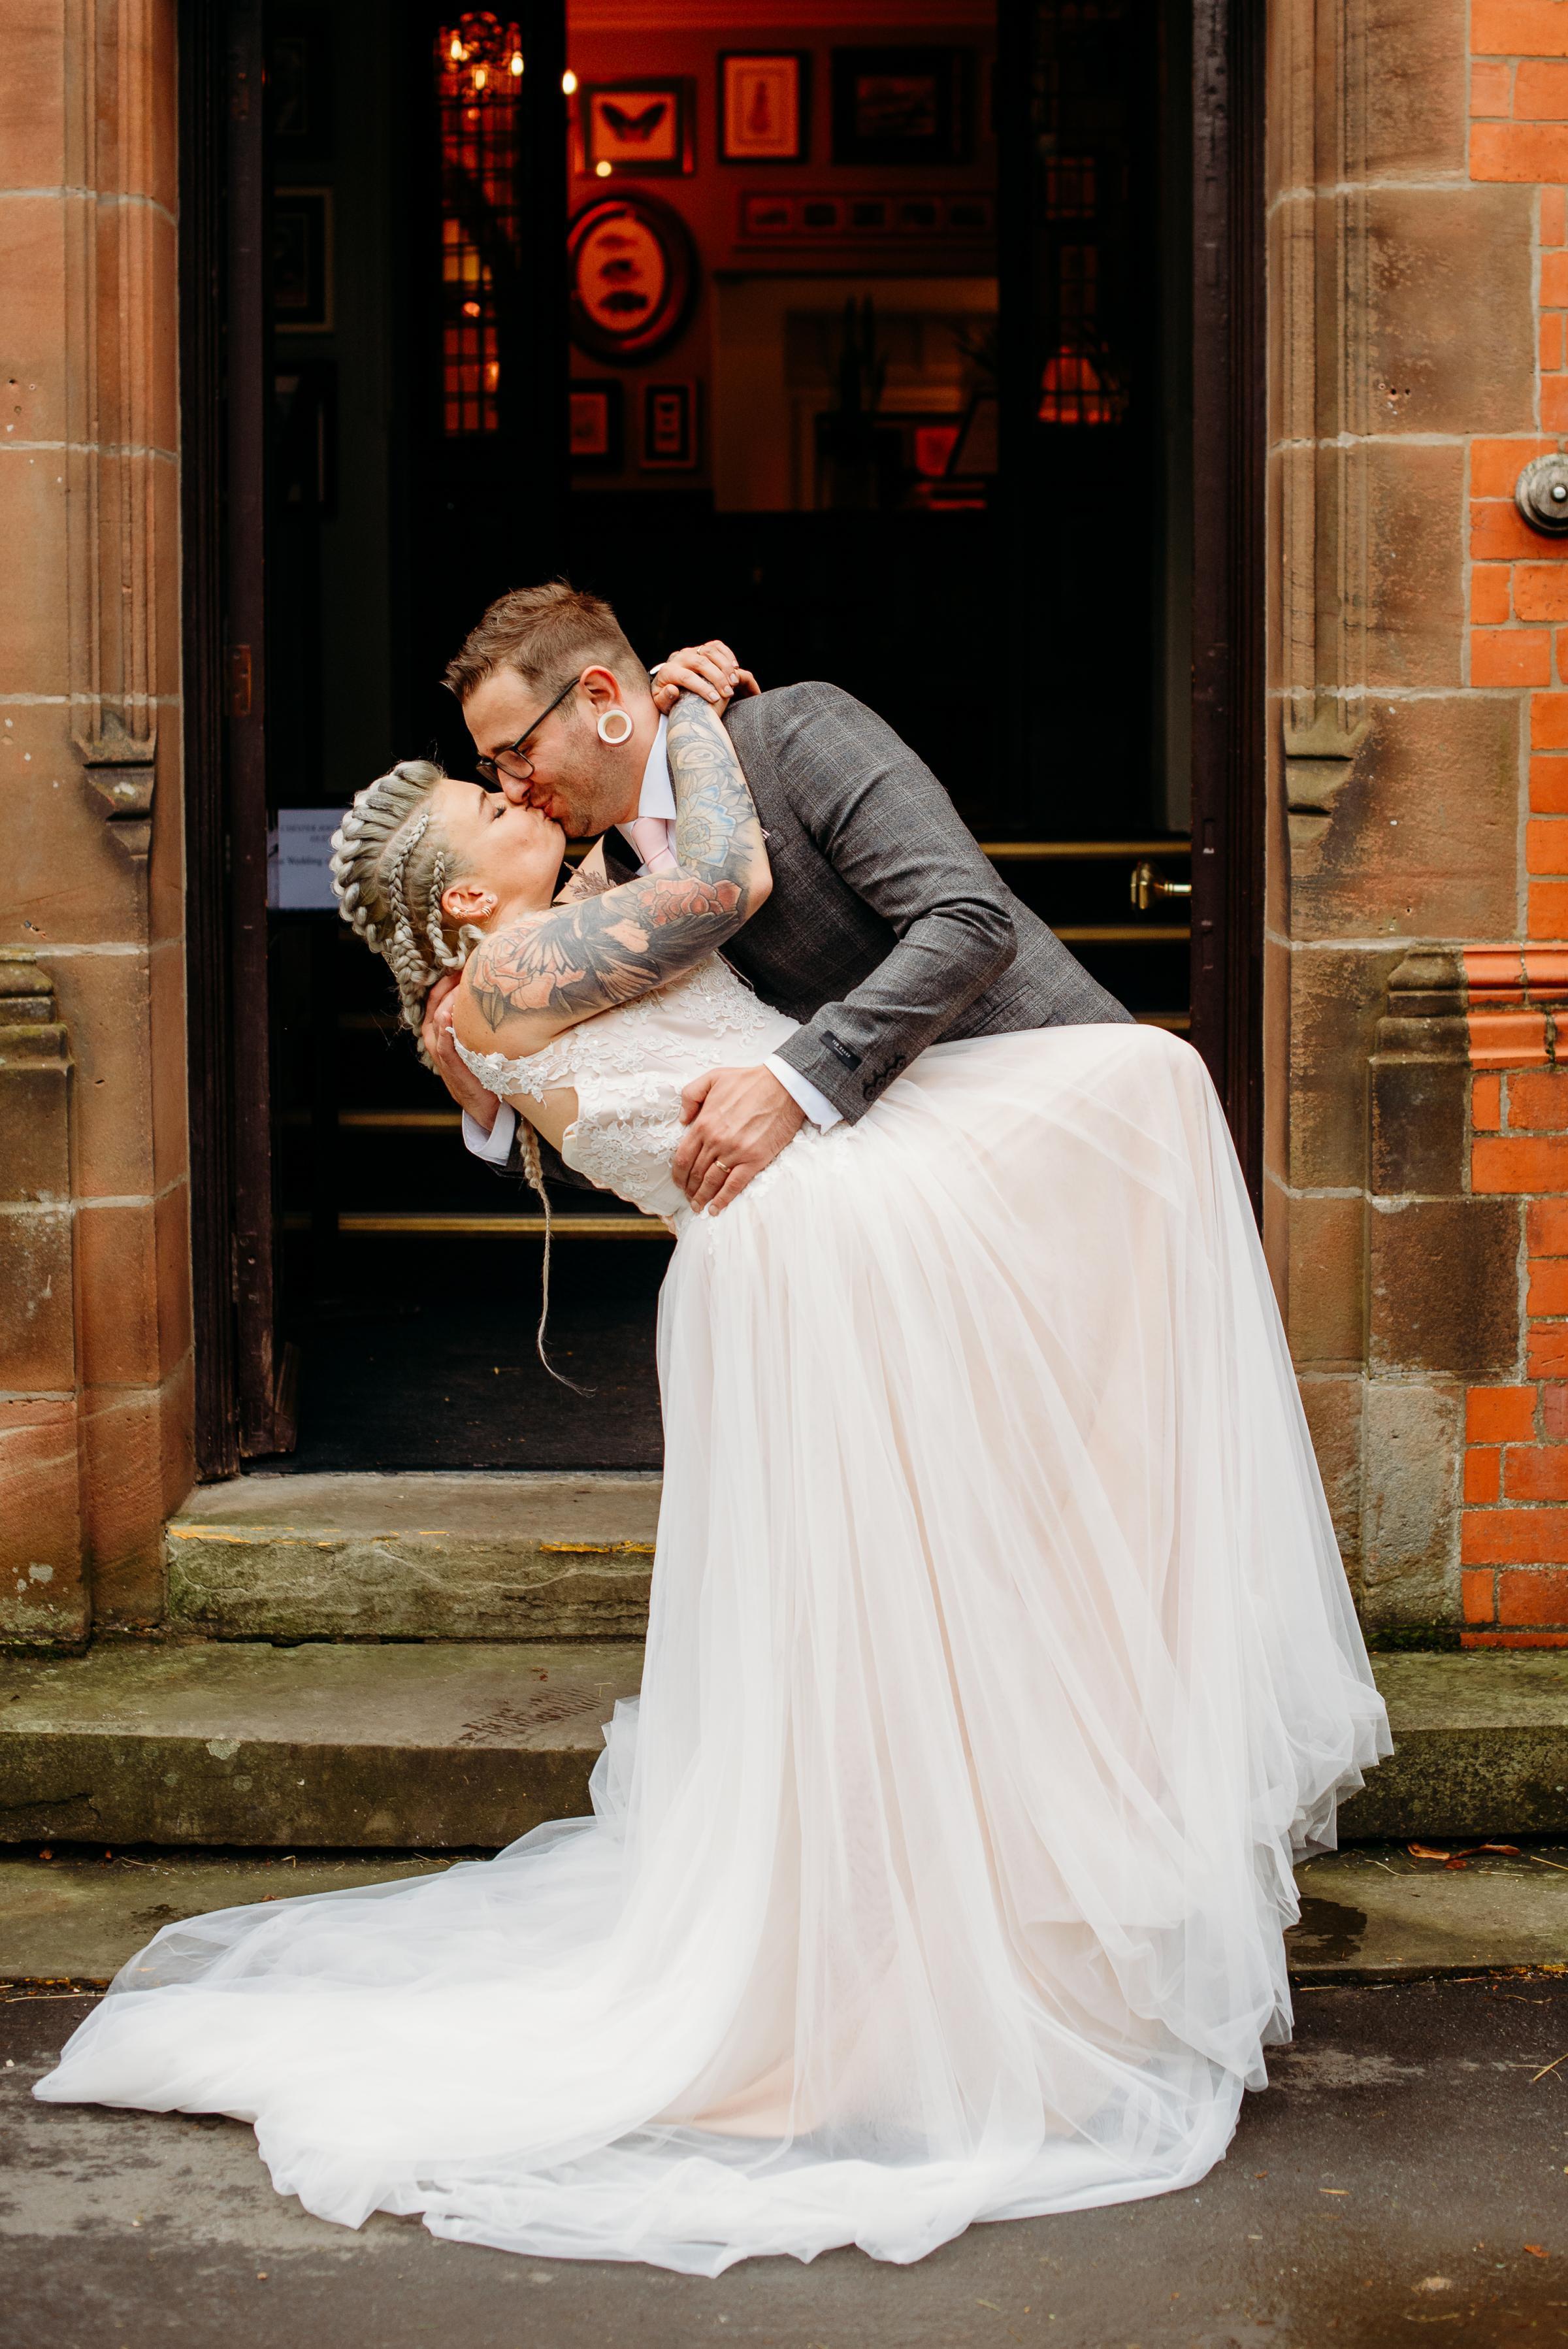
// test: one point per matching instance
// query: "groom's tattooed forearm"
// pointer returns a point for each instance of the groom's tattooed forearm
(716, 832)
(589, 954)
(588, 957)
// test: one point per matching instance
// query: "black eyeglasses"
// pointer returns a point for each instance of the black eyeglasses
(511, 761)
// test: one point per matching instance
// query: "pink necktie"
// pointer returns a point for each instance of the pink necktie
(650, 835)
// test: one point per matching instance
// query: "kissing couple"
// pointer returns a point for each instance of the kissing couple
(1000, 1658)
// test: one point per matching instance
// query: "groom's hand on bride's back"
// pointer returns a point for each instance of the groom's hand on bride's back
(710, 670)
(736, 1122)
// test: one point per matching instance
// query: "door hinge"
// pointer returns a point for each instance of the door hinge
(239, 681)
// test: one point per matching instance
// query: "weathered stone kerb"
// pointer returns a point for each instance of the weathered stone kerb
(489, 1556)
(1478, 1752)
(327, 1746)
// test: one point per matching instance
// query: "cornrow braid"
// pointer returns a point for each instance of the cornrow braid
(389, 873)
(385, 863)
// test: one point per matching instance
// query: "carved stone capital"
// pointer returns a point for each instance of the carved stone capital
(1318, 113)
(121, 770)
(1420, 1079)
(35, 1143)
(1318, 756)
(27, 1006)
(117, 238)
(1426, 1012)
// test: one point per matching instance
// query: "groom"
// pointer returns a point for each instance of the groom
(886, 929)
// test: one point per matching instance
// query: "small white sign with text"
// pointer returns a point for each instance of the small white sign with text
(299, 860)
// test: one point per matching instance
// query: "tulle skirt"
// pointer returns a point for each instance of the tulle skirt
(1000, 1662)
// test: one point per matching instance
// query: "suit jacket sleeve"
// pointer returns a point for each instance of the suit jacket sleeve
(552, 1167)
(885, 824)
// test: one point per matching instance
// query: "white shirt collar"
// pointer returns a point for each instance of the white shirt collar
(657, 796)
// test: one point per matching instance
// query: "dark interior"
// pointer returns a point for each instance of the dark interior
(916, 426)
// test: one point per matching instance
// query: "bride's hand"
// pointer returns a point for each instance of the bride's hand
(436, 1035)
(710, 669)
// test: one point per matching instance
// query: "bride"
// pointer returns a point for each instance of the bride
(1000, 1657)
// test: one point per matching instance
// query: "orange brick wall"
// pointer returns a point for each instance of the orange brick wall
(1514, 1541)
(1515, 1533)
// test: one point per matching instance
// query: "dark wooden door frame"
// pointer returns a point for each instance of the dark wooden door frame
(203, 163)
(248, 410)
(1228, 368)
(224, 385)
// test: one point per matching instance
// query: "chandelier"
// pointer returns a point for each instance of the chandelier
(479, 57)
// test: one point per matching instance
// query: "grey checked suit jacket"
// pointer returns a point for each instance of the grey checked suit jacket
(887, 929)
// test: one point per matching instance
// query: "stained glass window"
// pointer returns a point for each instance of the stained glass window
(1081, 132)
(478, 79)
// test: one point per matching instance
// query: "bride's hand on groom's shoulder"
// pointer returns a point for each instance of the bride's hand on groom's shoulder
(710, 670)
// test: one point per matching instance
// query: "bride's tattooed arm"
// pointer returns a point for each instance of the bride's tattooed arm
(589, 880)
(587, 953)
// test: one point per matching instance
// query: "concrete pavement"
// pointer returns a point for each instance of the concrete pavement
(1408, 2169)
(1409, 2166)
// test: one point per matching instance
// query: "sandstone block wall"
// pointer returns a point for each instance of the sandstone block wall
(94, 1347)
(1417, 1214)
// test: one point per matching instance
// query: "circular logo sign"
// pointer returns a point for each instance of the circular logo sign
(633, 276)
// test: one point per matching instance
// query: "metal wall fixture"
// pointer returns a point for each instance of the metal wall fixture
(1147, 883)
(1541, 493)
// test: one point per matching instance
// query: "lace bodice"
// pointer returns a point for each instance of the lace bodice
(627, 1068)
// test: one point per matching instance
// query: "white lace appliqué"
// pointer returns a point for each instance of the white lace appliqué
(627, 1068)
(713, 999)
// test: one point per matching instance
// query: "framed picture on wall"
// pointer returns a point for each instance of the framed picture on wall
(669, 427)
(593, 411)
(299, 88)
(763, 102)
(631, 273)
(901, 105)
(299, 85)
(302, 261)
(639, 127)
(305, 443)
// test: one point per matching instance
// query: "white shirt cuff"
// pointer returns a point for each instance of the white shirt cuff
(800, 1090)
(495, 1147)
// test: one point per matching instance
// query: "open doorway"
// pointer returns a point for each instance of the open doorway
(866, 344)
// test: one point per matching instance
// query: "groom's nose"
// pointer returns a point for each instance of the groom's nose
(517, 792)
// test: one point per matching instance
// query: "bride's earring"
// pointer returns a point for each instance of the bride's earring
(608, 718)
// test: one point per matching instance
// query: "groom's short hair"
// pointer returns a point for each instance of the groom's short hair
(547, 634)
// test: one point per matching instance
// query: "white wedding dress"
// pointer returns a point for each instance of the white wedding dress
(1000, 1659)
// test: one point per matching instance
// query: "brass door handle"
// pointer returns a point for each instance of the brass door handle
(1148, 883)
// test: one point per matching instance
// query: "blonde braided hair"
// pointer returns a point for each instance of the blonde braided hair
(389, 873)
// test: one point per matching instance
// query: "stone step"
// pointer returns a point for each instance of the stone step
(417, 1557)
(438, 1745)
(1369, 1913)
(1481, 1748)
(453, 1745)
